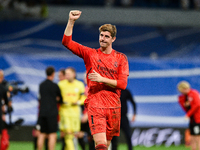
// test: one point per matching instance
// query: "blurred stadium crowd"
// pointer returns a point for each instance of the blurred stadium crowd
(128, 3)
(39, 7)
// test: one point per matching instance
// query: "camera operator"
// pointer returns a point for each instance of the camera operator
(8, 89)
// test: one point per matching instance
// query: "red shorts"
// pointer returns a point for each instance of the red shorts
(105, 120)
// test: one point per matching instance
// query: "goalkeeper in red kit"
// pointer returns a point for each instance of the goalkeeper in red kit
(107, 73)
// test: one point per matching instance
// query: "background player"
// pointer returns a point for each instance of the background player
(72, 91)
(61, 74)
(49, 96)
(190, 102)
(107, 73)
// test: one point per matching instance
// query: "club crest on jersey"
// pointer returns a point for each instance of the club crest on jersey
(190, 99)
(115, 64)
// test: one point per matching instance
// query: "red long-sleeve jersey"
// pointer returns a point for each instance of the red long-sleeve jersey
(112, 66)
(194, 110)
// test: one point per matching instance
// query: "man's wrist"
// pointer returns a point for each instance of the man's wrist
(103, 80)
(71, 22)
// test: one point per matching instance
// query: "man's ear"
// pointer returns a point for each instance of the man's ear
(113, 39)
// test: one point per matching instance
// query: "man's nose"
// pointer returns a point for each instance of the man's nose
(102, 38)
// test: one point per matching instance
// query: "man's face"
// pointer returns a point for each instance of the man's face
(61, 76)
(53, 75)
(105, 39)
(185, 91)
(70, 75)
(1, 76)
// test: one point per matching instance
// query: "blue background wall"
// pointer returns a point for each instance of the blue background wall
(28, 47)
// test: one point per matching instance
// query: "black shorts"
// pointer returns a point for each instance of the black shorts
(48, 124)
(195, 129)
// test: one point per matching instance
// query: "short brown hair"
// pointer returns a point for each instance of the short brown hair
(110, 28)
(62, 71)
(50, 70)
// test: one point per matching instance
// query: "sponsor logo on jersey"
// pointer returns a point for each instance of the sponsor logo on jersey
(115, 64)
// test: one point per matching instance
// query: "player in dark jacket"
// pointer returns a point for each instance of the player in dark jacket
(49, 96)
(125, 126)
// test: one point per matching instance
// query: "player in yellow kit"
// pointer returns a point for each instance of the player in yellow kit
(72, 92)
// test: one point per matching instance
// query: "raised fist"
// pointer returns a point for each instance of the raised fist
(74, 14)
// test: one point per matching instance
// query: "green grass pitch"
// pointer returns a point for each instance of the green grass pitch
(29, 146)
